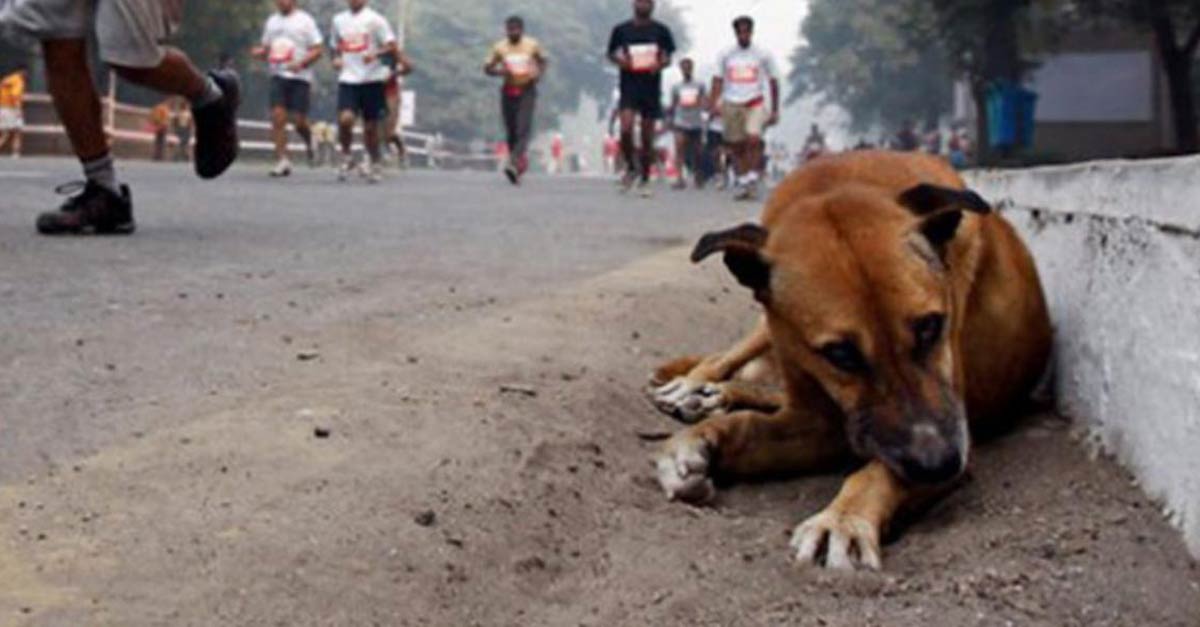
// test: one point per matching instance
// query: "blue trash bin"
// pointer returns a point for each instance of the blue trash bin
(1011, 115)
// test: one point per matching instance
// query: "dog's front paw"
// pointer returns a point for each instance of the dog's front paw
(838, 541)
(683, 469)
(688, 400)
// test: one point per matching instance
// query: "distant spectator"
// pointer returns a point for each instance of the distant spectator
(181, 124)
(160, 121)
(959, 148)
(12, 102)
(814, 145)
(933, 140)
(907, 140)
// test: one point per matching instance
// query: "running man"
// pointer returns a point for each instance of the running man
(291, 44)
(520, 59)
(737, 94)
(641, 48)
(12, 104)
(361, 37)
(399, 67)
(688, 102)
(128, 34)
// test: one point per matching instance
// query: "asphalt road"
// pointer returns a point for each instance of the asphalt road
(102, 338)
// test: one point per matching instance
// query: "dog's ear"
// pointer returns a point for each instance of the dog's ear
(742, 246)
(940, 228)
(925, 199)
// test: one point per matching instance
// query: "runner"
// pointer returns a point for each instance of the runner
(738, 95)
(814, 144)
(399, 66)
(557, 154)
(717, 152)
(687, 118)
(361, 37)
(641, 48)
(521, 61)
(128, 35)
(291, 44)
(160, 123)
(12, 103)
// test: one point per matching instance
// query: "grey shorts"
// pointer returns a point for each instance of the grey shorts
(129, 32)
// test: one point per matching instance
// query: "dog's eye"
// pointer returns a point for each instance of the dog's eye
(927, 331)
(844, 356)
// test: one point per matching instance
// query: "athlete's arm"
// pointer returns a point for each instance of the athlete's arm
(314, 53)
(616, 51)
(404, 64)
(774, 102)
(718, 86)
(495, 65)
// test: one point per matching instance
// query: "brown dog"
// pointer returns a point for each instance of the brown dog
(898, 309)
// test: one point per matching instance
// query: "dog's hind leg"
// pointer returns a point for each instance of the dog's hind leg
(693, 395)
(746, 444)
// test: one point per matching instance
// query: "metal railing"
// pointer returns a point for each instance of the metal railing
(128, 127)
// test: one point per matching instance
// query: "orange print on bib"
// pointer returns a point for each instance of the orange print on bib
(283, 50)
(689, 97)
(643, 57)
(354, 42)
(519, 65)
(743, 73)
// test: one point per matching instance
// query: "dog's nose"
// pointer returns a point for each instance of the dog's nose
(931, 457)
(932, 467)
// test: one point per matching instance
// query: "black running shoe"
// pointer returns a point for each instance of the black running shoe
(216, 127)
(94, 210)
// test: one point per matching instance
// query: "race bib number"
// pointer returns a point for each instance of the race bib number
(519, 65)
(354, 42)
(283, 50)
(689, 97)
(643, 57)
(745, 72)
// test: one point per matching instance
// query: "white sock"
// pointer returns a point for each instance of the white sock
(212, 93)
(102, 172)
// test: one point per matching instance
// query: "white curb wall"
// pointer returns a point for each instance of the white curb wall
(1118, 247)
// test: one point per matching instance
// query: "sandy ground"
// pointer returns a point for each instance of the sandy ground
(439, 498)
(473, 358)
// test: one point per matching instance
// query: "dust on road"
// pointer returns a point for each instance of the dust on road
(481, 465)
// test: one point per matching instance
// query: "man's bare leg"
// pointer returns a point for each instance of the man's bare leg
(279, 132)
(300, 123)
(649, 157)
(69, 80)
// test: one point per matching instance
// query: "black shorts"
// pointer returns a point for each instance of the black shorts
(367, 100)
(291, 94)
(645, 102)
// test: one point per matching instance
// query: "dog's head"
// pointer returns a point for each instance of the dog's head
(859, 299)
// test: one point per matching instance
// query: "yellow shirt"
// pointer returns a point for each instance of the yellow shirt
(520, 58)
(12, 91)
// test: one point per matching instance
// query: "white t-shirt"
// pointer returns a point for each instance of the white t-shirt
(355, 35)
(745, 72)
(288, 38)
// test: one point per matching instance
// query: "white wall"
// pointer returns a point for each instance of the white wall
(1118, 247)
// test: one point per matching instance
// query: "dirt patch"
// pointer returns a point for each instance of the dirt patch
(492, 474)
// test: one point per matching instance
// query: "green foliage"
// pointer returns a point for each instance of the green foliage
(877, 59)
(447, 42)
(450, 40)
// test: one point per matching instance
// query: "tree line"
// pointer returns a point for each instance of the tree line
(887, 61)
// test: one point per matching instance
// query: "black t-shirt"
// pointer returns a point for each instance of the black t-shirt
(642, 43)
